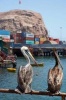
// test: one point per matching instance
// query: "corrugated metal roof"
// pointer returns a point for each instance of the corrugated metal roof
(53, 42)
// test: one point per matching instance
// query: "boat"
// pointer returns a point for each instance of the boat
(7, 62)
(11, 69)
(39, 64)
(7, 58)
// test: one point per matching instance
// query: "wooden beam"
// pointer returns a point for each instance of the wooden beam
(33, 92)
(9, 91)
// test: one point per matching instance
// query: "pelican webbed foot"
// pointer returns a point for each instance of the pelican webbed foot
(18, 91)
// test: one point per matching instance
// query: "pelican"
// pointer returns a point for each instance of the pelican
(55, 76)
(25, 73)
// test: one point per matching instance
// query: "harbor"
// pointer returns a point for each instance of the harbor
(32, 50)
(39, 46)
(10, 45)
(39, 80)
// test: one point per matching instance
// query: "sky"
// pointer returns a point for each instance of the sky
(53, 13)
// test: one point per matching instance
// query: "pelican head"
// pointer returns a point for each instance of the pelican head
(27, 54)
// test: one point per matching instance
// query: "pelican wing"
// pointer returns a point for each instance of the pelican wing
(59, 76)
(50, 76)
(21, 78)
(50, 80)
(28, 75)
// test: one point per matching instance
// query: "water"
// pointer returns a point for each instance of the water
(9, 80)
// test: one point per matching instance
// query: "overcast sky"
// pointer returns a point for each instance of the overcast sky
(53, 13)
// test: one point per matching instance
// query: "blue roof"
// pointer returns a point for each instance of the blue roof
(4, 32)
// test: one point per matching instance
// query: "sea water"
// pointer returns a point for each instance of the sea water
(39, 83)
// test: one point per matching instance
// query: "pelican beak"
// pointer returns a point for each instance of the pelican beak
(58, 60)
(33, 59)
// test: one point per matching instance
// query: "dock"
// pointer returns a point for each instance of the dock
(41, 49)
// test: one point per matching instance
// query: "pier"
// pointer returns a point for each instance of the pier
(41, 49)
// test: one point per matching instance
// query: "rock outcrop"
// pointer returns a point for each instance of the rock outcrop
(23, 20)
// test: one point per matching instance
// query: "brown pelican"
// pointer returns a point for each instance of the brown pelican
(25, 73)
(55, 76)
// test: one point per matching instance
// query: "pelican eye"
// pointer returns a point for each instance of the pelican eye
(26, 50)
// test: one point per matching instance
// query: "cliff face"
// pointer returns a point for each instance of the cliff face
(22, 20)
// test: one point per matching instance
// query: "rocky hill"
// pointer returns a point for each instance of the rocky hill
(23, 20)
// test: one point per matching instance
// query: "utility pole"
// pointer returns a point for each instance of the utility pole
(61, 33)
